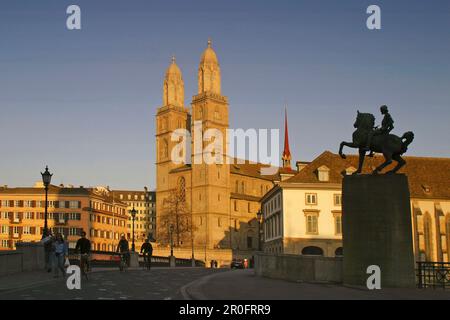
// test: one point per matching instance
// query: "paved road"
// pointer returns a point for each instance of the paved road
(156, 284)
(191, 283)
(243, 284)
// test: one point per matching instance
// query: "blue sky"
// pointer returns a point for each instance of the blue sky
(84, 102)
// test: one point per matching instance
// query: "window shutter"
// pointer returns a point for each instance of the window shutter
(33, 203)
(21, 203)
(56, 204)
(67, 204)
(79, 204)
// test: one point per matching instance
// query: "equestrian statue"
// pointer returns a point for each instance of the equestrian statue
(368, 138)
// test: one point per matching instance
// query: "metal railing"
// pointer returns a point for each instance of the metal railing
(433, 275)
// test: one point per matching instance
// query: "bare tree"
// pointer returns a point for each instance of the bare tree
(175, 213)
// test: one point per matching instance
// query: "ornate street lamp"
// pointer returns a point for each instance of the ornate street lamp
(46, 179)
(133, 216)
(259, 216)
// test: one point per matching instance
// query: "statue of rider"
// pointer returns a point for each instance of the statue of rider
(386, 127)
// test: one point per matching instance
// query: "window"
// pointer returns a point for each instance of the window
(5, 244)
(337, 199)
(4, 215)
(249, 207)
(235, 205)
(75, 216)
(311, 198)
(219, 222)
(5, 203)
(312, 251)
(323, 173)
(237, 186)
(312, 223)
(242, 187)
(249, 242)
(182, 189)
(26, 230)
(4, 229)
(29, 215)
(74, 204)
(338, 224)
(216, 115)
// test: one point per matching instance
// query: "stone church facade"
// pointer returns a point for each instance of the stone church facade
(223, 198)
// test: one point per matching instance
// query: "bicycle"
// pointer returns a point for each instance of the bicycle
(84, 265)
(147, 261)
(123, 263)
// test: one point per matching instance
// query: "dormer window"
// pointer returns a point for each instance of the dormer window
(323, 173)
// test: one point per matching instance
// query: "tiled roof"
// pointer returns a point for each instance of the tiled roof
(428, 177)
(51, 190)
(252, 169)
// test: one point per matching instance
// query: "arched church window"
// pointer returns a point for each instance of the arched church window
(182, 189)
(216, 114)
(428, 236)
(164, 123)
(165, 149)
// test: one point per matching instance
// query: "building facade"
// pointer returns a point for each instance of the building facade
(222, 198)
(302, 215)
(70, 211)
(144, 202)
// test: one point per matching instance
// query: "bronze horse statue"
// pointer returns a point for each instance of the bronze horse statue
(390, 145)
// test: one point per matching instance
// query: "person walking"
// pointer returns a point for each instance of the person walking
(60, 252)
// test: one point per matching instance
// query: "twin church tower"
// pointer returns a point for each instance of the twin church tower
(223, 198)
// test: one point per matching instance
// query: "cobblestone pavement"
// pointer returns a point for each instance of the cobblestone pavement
(156, 284)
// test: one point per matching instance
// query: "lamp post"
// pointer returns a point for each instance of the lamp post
(171, 240)
(133, 216)
(259, 217)
(46, 179)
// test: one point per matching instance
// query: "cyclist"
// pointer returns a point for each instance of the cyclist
(123, 248)
(84, 245)
(147, 250)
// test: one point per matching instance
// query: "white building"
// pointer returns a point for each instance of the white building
(302, 215)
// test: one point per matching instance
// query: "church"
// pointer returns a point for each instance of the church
(222, 198)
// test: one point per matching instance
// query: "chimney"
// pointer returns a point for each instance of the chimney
(300, 165)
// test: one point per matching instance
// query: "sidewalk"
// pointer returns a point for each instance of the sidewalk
(244, 285)
(31, 279)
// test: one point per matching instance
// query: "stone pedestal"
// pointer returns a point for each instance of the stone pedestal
(134, 260)
(172, 261)
(376, 215)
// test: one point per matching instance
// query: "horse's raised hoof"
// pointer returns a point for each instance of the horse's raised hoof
(343, 156)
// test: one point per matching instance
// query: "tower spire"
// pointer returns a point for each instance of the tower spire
(286, 152)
